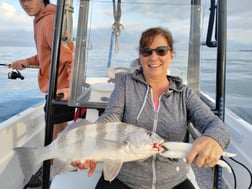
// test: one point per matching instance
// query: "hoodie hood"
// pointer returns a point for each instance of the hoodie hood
(176, 83)
(49, 9)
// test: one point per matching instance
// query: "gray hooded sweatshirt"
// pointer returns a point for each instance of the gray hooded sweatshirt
(131, 102)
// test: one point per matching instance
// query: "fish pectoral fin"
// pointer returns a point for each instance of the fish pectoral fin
(111, 169)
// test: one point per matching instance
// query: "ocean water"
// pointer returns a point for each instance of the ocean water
(238, 81)
(17, 95)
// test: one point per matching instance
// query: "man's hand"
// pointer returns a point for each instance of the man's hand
(18, 65)
(62, 94)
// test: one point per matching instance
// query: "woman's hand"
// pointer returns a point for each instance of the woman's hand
(205, 152)
(88, 164)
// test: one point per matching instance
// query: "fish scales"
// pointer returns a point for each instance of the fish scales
(111, 143)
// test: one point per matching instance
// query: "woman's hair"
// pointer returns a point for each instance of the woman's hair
(46, 2)
(148, 36)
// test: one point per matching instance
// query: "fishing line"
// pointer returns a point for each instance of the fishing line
(233, 172)
(245, 167)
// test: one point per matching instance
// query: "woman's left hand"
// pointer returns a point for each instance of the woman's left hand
(205, 152)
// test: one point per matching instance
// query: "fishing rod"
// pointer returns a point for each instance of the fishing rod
(17, 74)
(24, 66)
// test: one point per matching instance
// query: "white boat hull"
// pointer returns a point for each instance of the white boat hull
(23, 129)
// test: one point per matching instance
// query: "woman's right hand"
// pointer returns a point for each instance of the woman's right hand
(88, 164)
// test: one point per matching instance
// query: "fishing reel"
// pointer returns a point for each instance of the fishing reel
(15, 74)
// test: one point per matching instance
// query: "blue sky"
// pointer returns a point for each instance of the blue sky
(16, 26)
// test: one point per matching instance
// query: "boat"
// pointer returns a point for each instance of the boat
(92, 92)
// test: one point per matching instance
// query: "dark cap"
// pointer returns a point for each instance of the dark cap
(46, 2)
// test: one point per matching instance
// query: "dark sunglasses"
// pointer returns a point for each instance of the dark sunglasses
(160, 51)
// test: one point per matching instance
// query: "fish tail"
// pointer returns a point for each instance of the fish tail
(29, 160)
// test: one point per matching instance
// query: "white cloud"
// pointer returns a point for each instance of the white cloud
(13, 19)
(239, 22)
(136, 17)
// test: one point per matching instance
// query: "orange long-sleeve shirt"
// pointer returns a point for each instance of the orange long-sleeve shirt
(43, 36)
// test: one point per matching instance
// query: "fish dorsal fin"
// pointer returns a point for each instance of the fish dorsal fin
(111, 169)
(74, 125)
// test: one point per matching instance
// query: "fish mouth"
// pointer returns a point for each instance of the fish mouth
(158, 146)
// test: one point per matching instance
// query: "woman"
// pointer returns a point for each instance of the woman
(152, 99)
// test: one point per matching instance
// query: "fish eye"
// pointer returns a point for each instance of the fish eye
(149, 134)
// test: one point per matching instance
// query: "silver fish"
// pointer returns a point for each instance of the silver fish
(111, 143)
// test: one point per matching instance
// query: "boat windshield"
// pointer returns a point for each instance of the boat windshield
(106, 37)
(113, 33)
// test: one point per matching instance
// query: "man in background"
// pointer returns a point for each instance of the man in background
(43, 24)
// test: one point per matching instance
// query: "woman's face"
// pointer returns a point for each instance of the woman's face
(32, 7)
(155, 64)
